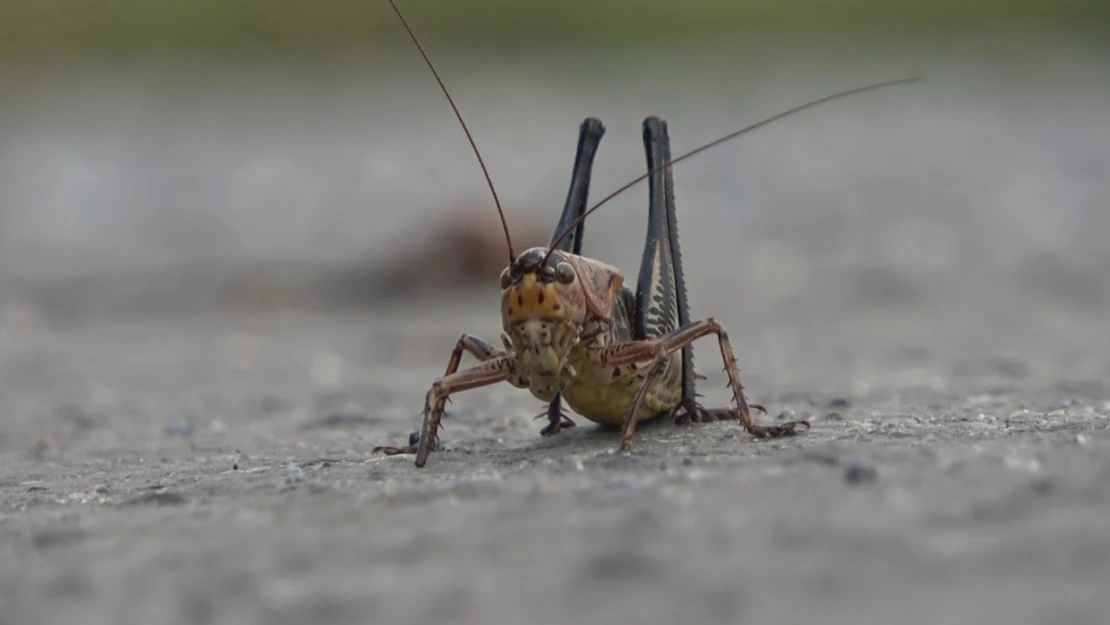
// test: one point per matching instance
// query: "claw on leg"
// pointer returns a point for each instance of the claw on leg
(414, 444)
(699, 414)
(394, 451)
(694, 412)
(554, 427)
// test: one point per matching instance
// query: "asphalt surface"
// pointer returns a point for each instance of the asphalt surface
(921, 274)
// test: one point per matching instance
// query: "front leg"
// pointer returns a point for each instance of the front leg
(656, 351)
(495, 367)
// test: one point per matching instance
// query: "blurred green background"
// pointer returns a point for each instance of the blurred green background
(113, 28)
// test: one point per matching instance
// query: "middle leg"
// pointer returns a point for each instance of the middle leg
(657, 352)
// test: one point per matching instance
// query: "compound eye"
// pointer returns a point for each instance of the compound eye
(506, 278)
(549, 273)
(564, 273)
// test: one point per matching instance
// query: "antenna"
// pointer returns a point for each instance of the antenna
(489, 181)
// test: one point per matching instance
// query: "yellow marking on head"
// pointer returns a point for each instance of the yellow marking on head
(532, 298)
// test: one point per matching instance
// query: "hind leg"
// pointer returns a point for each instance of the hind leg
(662, 295)
(589, 138)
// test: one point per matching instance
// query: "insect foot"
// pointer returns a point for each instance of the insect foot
(433, 402)
(414, 443)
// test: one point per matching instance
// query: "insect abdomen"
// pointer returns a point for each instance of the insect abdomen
(605, 394)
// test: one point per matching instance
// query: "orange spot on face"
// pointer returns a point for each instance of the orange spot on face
(532, 298)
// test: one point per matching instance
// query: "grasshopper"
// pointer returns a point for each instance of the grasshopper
(573, 330)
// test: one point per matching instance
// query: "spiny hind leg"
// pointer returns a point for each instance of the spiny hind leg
(590, 133)
(667, 298)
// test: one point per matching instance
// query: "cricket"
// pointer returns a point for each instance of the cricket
(574, 332)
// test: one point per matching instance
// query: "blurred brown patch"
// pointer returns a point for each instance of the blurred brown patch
(462, 249)
(459, 250)
(470, 242)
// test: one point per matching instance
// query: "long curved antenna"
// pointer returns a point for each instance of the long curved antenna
(796, 109)
(489, 181)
